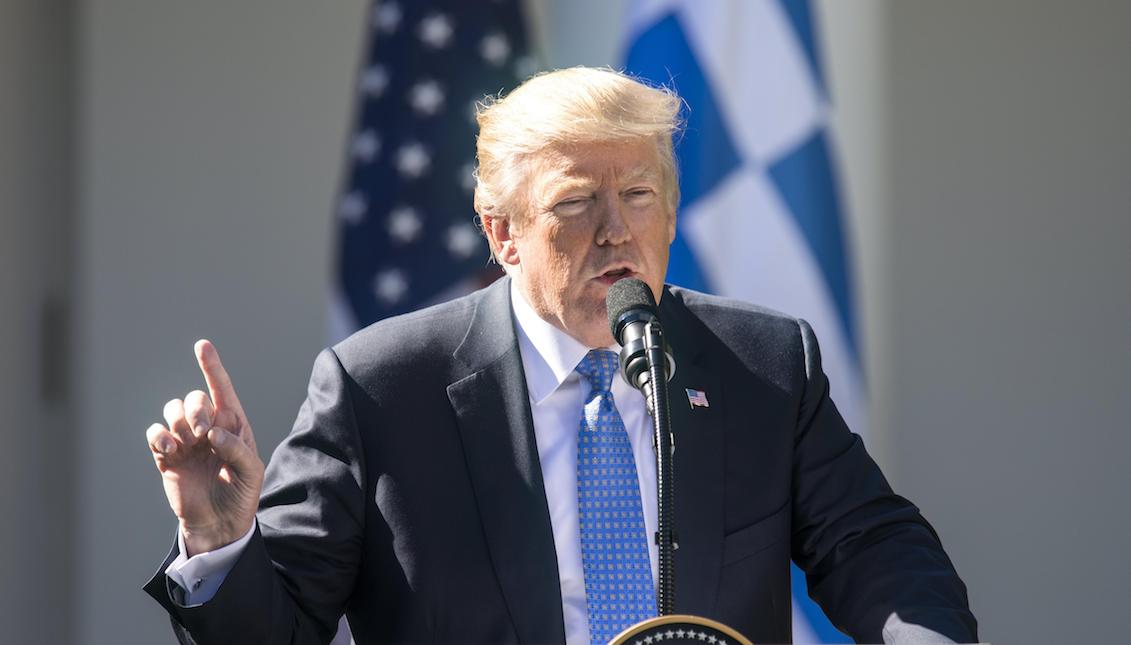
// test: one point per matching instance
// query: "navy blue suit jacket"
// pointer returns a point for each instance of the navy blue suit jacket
(409, 494)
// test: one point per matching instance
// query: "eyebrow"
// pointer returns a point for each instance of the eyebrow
(561, 180)
(559, 185)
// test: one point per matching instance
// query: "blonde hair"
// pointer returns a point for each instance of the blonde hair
(566, 107)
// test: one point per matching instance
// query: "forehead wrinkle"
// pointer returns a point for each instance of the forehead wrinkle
(580, 174)
(644, 171)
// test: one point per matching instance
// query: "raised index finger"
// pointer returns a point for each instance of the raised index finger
(219, 383)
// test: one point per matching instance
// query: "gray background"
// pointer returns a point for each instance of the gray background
(167, 172)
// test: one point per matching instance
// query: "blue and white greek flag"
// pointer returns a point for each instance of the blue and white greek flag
(759, 217)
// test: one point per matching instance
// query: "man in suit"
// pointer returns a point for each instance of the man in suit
(435, 485)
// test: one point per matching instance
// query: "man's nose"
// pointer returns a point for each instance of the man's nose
(612, 228)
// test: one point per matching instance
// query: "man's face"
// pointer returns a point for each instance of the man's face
(597, 214)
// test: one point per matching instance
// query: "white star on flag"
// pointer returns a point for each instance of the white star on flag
(404, 224)
(353, 207)
(462, 240)
(374, 81)
(390, 285)
(495, 48)
(436, 30)
(413, 160)
(387, 16)
(365, 145)
(426, 97)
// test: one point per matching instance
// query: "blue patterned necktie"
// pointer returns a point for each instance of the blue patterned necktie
(614, 546)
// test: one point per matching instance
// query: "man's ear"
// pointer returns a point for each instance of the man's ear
(501, 236)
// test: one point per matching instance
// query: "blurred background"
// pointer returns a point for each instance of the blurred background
(172, 170)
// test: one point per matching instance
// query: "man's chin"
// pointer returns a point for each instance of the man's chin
(598, 339)
(595, 332)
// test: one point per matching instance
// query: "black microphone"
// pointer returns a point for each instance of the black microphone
(647, 364)
(631, 308)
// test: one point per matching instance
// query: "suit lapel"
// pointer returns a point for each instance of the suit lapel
(699, 462)
(492, 407)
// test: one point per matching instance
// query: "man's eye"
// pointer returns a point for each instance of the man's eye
(640, 194)
(570, 206)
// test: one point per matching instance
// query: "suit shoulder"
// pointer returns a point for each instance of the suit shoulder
(764, 341)
(420, 340)
(719, 312)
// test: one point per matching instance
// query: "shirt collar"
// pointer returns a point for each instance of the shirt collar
(549, 355)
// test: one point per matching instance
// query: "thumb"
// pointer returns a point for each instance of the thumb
(237, 454)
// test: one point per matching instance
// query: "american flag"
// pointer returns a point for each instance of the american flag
(406, 228)
(697, 398)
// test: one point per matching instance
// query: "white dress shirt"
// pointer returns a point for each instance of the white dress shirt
(557, 396)
(557, 400)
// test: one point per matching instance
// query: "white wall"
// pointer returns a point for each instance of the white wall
(1011, 303)
(211, 139)
(36, 458)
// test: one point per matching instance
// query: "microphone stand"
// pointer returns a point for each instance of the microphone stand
(656, 396)
(645, 365)
(662, 627)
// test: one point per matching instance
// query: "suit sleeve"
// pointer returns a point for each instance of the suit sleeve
(868, 553)
(291, 583)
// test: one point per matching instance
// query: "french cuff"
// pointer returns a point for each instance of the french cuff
(200, 576)
(898, 632)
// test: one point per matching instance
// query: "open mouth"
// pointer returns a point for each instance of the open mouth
(612, 275)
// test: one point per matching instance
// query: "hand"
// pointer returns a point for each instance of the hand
(208, 461)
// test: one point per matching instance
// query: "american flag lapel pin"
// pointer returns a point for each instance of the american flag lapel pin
(697, 398)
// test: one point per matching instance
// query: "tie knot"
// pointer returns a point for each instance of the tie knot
(598, 367)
